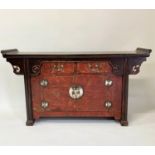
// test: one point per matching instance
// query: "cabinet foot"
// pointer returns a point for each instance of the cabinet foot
(124, 123)
(30, 122)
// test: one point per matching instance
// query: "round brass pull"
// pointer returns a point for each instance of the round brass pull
(108, 104)
(76, 92)
(44, 104)
(43, 83)
(108, 83)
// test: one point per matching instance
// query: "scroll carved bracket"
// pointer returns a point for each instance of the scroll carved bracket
(17, 65)
(134, 64)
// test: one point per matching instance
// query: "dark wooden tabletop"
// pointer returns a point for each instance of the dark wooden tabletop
(14, 53)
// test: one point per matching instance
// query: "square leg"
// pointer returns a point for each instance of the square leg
(30, 122)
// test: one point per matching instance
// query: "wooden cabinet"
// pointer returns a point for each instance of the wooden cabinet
(76, 85)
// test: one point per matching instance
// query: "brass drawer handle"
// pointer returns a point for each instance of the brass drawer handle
(108, 83)
(76, 92)
(58, 67)
(44, 104)
(44, 83)
(108, 104)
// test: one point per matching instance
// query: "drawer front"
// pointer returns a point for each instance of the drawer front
(76, 93)
(94, 67)
(59, 68)
(69, 68)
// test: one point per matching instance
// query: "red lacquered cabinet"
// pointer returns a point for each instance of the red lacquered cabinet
(76, 85)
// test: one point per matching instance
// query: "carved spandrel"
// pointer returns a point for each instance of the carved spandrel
(134, 64)
(117, 66)
(17, 65)
(35, 68)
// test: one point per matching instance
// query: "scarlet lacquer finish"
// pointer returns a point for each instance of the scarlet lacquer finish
(93, 84)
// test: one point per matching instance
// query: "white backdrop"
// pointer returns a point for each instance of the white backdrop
(77, 30)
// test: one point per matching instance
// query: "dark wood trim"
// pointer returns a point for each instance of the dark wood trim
(124, 113)
(27, 79)
(143, 51)
(117, 66)
(139, 52)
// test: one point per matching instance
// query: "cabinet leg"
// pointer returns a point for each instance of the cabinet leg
(124, 122)
(124, 112)
(30, 122)
(27, 77)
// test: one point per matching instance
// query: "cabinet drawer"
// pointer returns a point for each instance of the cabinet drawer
(94, 67)
(59, 68)
(62, 68)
